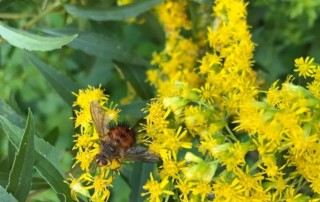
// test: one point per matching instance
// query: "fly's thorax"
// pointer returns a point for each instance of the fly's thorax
(110, 150)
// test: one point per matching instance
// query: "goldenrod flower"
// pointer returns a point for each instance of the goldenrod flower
(156, 190)
(174, 140)
(225, 191)
(84, 157)
(305, 67)
(87, 146)
(84, 140)
(314, 87)
(209, 63)
(77, 187)
(208, 93)
(84, 97)
(185, 187)
(234, 156)
(170, 167)
(195, 118)
(173, 10)
(270, 165)
(100, 184)
(292, 195)
(252, 183)
(201, 188)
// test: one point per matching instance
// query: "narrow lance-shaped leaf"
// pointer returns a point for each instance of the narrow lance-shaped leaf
(112, 13)
(5, 196)
(11, 124)
(46, 156)
(21, 174)
(10, 114)
(4, 179)
(32, 42)
(100, 46)
(14, 133)
(45, 162)
(60, 82)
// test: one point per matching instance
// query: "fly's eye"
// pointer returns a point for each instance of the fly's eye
(100, 160)
(210, 196)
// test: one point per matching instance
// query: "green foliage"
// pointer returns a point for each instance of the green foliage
(21, 174)
(61, 83)
(117, 13)
(90, 45)
(46, 159)
(5, 196)
(25, 40)
(283, 31)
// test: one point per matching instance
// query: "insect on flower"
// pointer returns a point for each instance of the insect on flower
(117, 142)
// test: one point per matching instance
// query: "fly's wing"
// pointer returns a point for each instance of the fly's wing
(100, 121)
(140, 153)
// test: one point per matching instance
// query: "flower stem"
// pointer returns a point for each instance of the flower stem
(232, 136)
(41, 15)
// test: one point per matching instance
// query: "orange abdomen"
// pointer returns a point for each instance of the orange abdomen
(123, 135)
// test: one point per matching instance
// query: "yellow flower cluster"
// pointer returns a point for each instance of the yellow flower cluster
(217, 139)
(285, 130)
(176, 62)
(307, 68)
(93, 182)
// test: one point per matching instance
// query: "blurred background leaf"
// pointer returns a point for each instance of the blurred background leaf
(112, 13)
(283, 31)
(60, 82)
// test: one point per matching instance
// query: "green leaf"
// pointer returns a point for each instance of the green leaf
(14, 132)
(133, 109)
(4, 179)
(21, 174)
(60, 82)
(5, 196)
(271, 62)
(112, 13)
(119, 184)
(39, 183)
(53, 176)
(32, 42)
(101, 46)
(11, 155)
(7, 112)
(46, 158)
(203, 1)
(5, 3)
(136, 76)
(140, 175)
